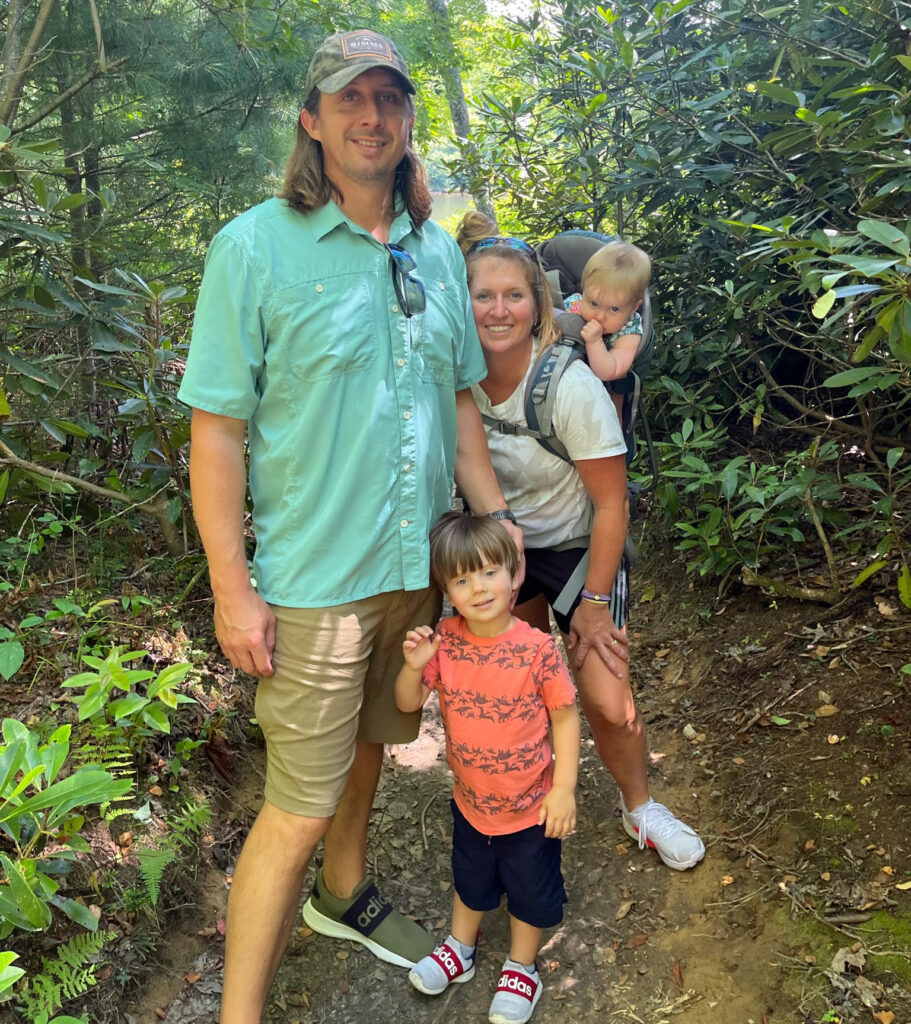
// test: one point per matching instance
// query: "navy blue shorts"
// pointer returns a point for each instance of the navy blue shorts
(547, 572)
(525, 865)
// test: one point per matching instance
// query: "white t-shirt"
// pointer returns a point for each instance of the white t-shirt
(545, 493)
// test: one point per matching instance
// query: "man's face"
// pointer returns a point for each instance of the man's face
(363, 129)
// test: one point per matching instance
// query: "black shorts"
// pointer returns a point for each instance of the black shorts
(525, 865)
(547, 572)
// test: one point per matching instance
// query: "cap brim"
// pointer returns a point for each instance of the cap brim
(333, 83)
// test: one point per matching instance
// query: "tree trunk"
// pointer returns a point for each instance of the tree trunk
(14, 73)
(455, 96)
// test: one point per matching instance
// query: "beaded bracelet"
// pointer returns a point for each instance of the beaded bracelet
(588, 595)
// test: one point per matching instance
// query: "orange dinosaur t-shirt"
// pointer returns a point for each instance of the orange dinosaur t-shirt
(495, 693)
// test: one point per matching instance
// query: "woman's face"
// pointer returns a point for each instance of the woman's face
(503, 304)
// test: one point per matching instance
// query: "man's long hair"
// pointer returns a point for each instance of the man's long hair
(306, 186)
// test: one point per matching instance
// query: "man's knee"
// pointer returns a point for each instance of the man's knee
(286, 836)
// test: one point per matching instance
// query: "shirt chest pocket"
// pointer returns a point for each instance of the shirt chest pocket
(325, 329)
(434, 333)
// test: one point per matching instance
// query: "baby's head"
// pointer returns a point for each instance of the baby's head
(462, 544)
(613, 284)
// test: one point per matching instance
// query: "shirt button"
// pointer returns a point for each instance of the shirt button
(406, 415)
(319, 287)
(407, 467)
(404, 523)
(395, 309)
(442, 287)
(401, 362)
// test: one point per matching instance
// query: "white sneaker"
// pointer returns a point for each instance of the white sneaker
(653, 825)
(518, 992)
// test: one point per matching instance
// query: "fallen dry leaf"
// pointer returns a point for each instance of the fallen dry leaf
(887, 870)
(663, 653)
(161, 1013)
(885, 609)
(677, 975)
(809, 846)
(156, 791)
(648, 594)
(625, 907)
(826, 711)
(884, 1017)
(639, 939)
(821, 651)
(192, 978)
(825, 876)
(727, 879)
(739, 760)
(833, 738)
(904, 886)
(206, 933)
(342, 954)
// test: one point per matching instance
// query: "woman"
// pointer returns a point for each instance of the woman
(565, 510)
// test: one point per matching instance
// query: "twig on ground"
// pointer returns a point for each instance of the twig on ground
(424, 820)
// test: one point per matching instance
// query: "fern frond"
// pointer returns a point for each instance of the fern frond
(65, 976)
(187, 826)
(152, 864)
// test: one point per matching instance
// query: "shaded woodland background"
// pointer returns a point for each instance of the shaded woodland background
(759, 151)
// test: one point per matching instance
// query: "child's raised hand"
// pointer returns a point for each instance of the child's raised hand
(419, 646)
(591, 332)
(558, 813)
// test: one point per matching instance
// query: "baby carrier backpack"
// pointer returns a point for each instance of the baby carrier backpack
(564, 257)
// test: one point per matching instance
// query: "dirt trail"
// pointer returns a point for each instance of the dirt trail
(800, 858)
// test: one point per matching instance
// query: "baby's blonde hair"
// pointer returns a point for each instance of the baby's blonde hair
(623, 268)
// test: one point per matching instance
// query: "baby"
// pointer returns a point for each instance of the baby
(613, 286)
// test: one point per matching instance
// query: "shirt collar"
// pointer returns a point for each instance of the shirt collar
(329, 217)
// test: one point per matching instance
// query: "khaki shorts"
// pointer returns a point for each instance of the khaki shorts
(334, 684)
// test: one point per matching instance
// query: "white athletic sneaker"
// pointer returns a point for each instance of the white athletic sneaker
(653, 825)
(518, 992)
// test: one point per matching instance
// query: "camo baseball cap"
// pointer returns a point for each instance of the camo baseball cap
(342, 57)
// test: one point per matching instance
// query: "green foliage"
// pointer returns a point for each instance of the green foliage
(185, 829)
(67, 975)
(37, 807)
(152, 864)
(9, 975)
(758, 152)
(133, 714)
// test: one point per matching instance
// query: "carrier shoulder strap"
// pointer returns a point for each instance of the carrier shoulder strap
(541, 393)
(539, 398)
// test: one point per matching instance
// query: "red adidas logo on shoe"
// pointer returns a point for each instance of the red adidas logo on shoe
(445, 957)
(516, 983)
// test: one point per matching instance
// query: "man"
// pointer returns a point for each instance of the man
(334, 328)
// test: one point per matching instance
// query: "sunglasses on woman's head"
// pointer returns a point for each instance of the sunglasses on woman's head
(511, 243)
(409, 290)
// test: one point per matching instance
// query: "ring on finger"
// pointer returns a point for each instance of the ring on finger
(612, 642)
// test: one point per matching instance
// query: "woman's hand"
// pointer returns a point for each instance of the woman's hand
(592, 627)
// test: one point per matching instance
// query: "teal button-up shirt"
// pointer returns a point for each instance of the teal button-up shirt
(350, 405)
